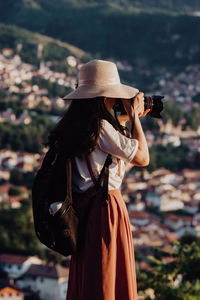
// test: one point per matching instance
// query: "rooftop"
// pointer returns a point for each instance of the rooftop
(138, 214)
(49, 271)
(13, 259)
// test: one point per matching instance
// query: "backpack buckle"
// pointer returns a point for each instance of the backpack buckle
(106, 200)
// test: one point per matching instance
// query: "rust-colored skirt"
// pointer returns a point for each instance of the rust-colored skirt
(105, 268)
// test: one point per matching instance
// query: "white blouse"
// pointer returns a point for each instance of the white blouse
(122, 148)
(110, 141)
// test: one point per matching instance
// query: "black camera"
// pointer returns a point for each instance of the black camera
(154, 103)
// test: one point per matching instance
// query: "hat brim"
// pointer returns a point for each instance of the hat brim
(112, 91)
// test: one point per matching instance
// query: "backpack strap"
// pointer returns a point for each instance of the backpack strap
(103, 177)
(90, 170)
(49, 158)
(68, 199)
(69, 179)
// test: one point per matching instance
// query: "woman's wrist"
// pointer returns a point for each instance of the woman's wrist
(132, 115)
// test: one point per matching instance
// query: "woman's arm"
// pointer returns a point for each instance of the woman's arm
(141, 158)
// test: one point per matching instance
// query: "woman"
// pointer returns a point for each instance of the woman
(105, 267)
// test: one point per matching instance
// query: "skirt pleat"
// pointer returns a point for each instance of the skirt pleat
(105, 268)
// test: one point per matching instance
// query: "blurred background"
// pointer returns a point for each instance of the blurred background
(156, 46)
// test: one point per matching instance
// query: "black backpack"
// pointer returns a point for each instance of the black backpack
(64, 231)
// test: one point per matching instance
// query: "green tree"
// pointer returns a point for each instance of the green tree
(17, 231)
(169, 157)
(178, 279)
(14, 191)
(196, 98)
(28, 138)
(172, 112)
(16, 177)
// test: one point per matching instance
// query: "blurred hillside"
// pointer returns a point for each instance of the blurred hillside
(148, 35)
(155, 44)
(18, 38)
(171, 6)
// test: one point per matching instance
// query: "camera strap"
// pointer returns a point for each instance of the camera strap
(133, 122)
(116, 118)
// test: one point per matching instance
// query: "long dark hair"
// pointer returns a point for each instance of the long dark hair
(76, 134)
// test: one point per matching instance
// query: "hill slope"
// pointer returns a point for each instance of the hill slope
(10, 35)
(147, 41)
(173, 6)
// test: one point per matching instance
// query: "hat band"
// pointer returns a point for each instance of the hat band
(110, 81)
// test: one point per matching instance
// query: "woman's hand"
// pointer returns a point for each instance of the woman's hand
(138, 103)
(123, 119)
(138, 106)
(141, 158)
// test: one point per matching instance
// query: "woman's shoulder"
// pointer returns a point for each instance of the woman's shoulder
(108, 127)
(113, 142)
(106, 124)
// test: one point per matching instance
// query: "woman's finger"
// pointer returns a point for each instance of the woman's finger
(146, 112)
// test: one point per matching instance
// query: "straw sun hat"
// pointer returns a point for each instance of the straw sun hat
(100, 78)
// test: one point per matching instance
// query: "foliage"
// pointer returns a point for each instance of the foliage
(22, 238)
(54, 89)
(172, 112)
(12, 36)
(15, 191)
(169, 157)
(28, 54)
(178, 279)
(172, 49)
(149, 123)
(196, 98)
(18, 177)
(52, 50)
(189, 238)
(17, 234)
(25, 138)
(17, 107)
(193, 118)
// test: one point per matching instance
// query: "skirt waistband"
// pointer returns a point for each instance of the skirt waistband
(116, 191)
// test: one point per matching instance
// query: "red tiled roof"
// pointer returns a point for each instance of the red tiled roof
(159, 225)
(6, 159)
(9, 290)
(161, 172)
(196, 217)
(137, 201)
(169, 259)
(172, 217)
(13, 259)
(135, 214)
(23, 188)
(171, 236)
(188, 173)
(186, 218)
(138, 232)
(176, 218)
(191, 204)
(4, 188)
(14, 198)
(20, 164)
(49, 271)
(144, 266)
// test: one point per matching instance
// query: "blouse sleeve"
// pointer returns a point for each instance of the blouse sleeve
(113, 142)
